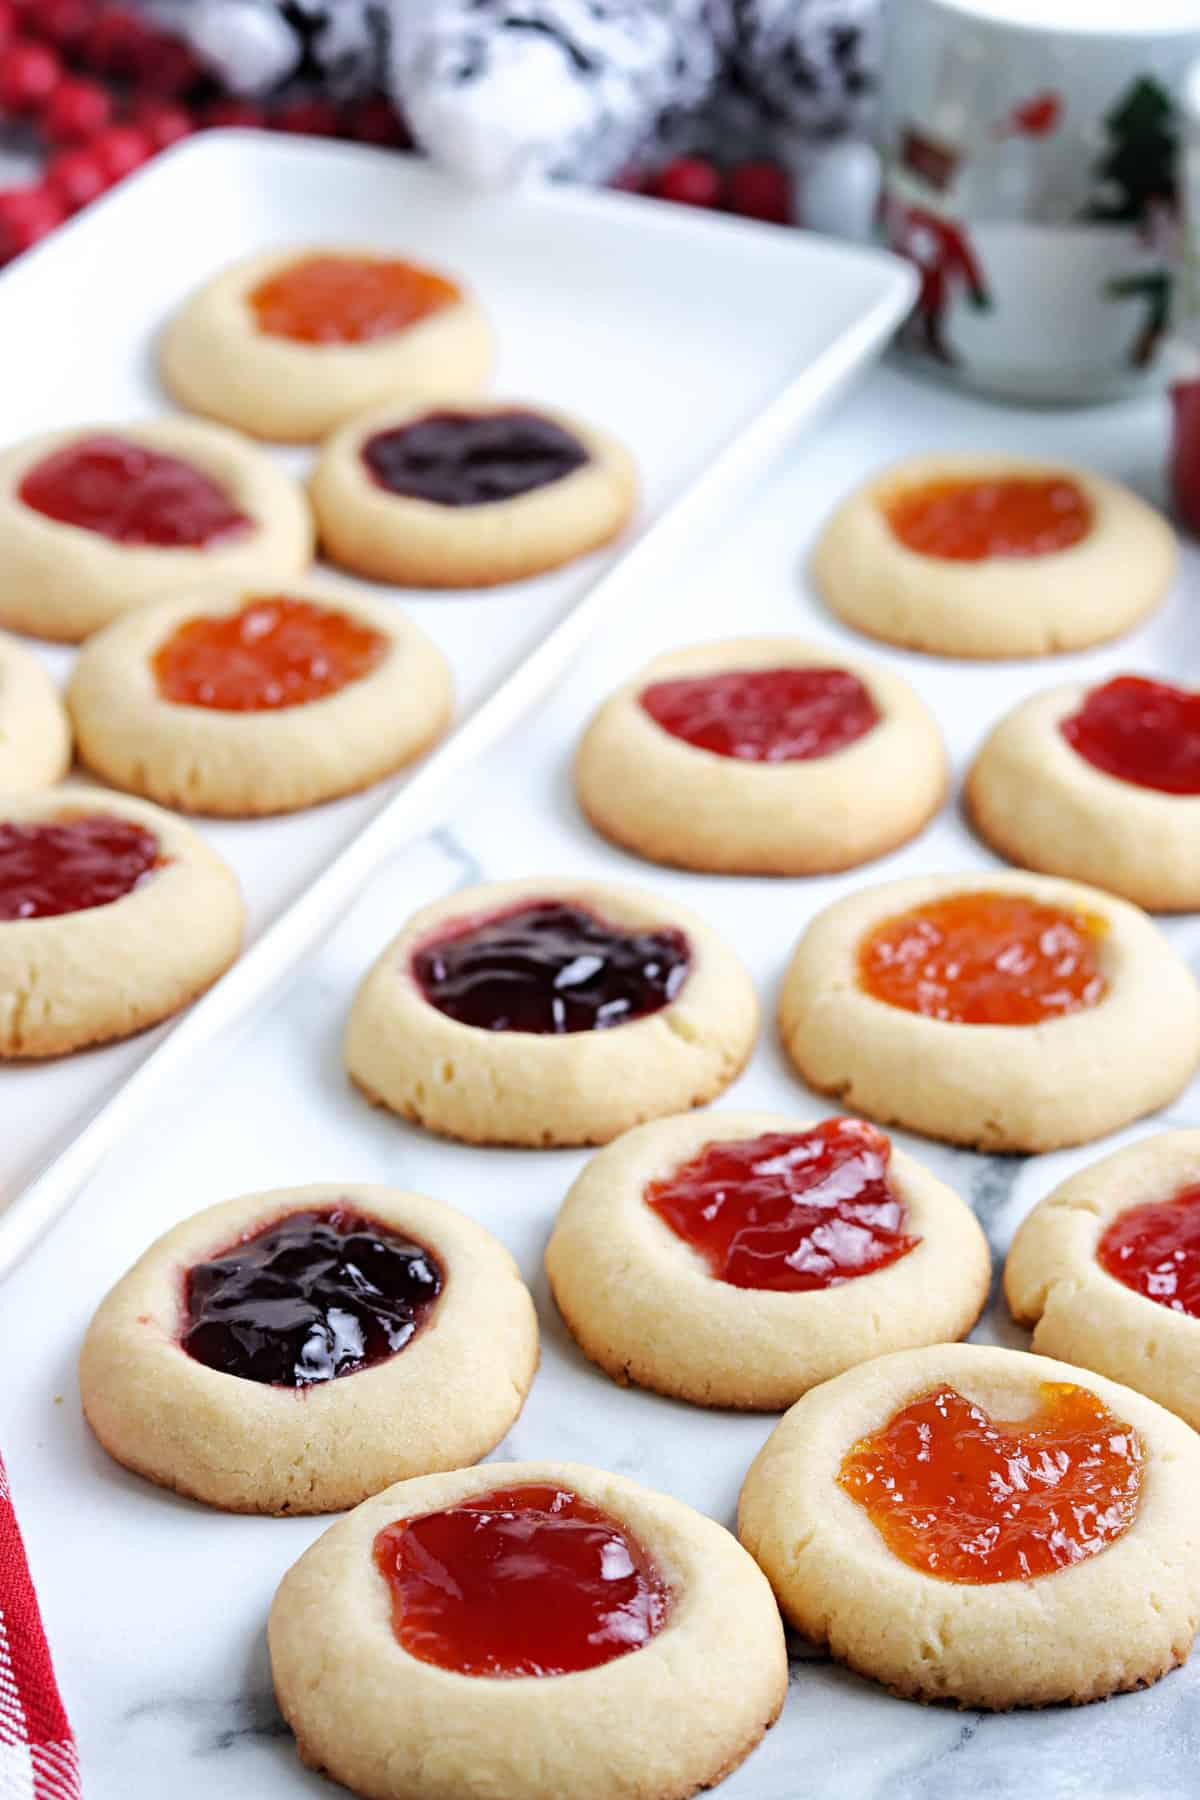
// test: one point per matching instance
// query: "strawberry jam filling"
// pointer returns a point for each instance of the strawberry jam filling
(1155, 1250)
(71, 865)
(550, 967)
(520, 1581)
(790, 1211)
(471, 459)
(960, 1495)
(764, 715)
(1007, 516)
(313, 1296)
(133, 495)
(985, 959)
(275, 652)
(1146, 732)
(348, 299)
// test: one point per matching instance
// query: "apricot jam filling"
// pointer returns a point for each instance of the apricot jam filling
(519, 1582)
(133, 495)
(348, 299)
(957, 1494)
(307, 1298)
(55, 866)
(1145, 732)
(550, 966)
(789, 1211)
(1002, 516)
(1155, 1250)
(275, 652)
(986, 959)
(764, 715)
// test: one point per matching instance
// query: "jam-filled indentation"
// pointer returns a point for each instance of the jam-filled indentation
(957, 1494)
(789, 1211)
(550, 966)
(471, 459)
(55, 866)
(764, 715)
(1155, 1250)
(1144, 732)
(522, 1581)
(133, 495)
(311, 1297)
(348, 299)
(986, 959)
(1002, 516)
(275, 652)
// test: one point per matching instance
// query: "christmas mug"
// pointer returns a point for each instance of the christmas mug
(1032, 170)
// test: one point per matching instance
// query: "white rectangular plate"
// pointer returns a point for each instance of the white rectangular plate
(701, 341)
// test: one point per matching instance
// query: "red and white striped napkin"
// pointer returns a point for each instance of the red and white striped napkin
(38, 1760)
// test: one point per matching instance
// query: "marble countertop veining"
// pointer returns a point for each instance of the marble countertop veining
(155, 1608)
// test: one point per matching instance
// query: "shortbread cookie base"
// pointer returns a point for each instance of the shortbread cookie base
(1004, 606)
(1113, 1621)
(108, 971)
(35, 733)
(64, 582)
(1079, 1311)
(213, 358)
(1042, 805)
(444, 1400)
(657, 1724)
(642, 1304)
(996, 1087)
(672, 803)
(240, 764)
(417, 543)
(583, 1087)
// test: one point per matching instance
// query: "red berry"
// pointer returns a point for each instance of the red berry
(29, 74)
(234, 114)
(62, 22)
(8, 23)
(310, 118)
(165, 66)
(78, 177)
(689, 180)
(76, 110)
(121, 149)
(115, 43)
(163, 123)
(760, 190)
(376, 121)
(27, 214)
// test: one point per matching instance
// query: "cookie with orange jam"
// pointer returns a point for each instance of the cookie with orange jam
(1009, 1012)
(288, 344)
(761, 756)
(1099, 783)
(468, 494)
(526, 1628)
(296, 1350)
(981, 1525)
(102, 519)
(257, 701)
(738, 1259)
(1106, 1270)
(113, 915)
(975, 554)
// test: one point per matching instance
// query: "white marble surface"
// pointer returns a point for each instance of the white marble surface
(155, 1608)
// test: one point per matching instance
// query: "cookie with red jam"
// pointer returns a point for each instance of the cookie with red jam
(738, 1259)
(530, 1628)
(296, 1350)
